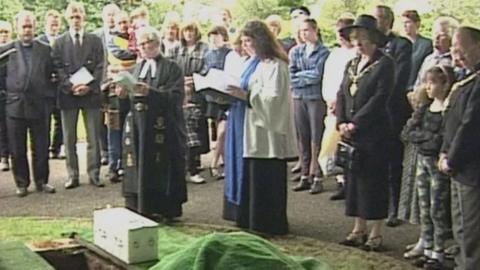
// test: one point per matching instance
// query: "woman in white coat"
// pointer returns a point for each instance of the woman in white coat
(257, 198)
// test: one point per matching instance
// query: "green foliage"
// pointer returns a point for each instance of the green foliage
(9, 9)
(325, 11)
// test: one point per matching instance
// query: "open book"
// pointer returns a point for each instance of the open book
(215, 85)
(126, 80)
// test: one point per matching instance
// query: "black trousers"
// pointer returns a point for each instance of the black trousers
(4, 153)
(395, 168)
(18, 129)
(56, 130)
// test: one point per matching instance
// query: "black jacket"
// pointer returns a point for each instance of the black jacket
(28, 88)
(367, 108)
(462, 132)
(400, 49)
(424, 129)
(91, 57)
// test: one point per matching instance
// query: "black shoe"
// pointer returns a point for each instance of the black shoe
(340, 194)
(70, 184)
(45, 188)
(354, 239)
(373, 244)
(53, 155)
(96, 183)
(114, 177)
(104, 161)
(21, 192)
(295, 178)
(420, 261)
(304, 184)
(393, 222)
(433, 264)
(4, 165)
(316, 187)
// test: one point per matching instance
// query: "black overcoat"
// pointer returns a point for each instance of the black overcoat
(367, 187)
(158, 128)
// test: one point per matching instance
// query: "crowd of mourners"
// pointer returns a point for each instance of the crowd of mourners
(395, 119)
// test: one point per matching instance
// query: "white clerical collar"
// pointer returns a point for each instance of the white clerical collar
(150, 64)
(73, 32)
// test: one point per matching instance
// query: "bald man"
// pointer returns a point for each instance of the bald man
(28, 87)
(459, 155)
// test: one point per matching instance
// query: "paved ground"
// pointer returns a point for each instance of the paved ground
(309, 215)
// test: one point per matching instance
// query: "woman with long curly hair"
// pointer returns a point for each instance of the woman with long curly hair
(259, 136)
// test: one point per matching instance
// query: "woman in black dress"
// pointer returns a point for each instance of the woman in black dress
(362, 120)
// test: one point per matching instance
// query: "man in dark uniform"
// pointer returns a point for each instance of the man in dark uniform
(52, 28)
(75, 50)
(398, 107)
(459, 155)
(28, 84)
(154, 134)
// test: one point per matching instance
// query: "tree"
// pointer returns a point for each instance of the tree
(9, 9)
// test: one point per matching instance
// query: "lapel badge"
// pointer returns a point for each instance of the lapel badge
(129, 160)
(160, 123)
(140, 107)
(159, 139)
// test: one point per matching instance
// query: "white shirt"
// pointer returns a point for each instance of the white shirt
(149, 64)
(73, 32)
(334, 71)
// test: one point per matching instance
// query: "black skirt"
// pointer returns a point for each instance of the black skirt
(367, 189)
(263, 205)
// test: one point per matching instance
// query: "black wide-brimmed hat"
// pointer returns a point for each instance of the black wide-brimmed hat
(366, 22)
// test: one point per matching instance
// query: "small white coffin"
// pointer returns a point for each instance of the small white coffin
(125, 234)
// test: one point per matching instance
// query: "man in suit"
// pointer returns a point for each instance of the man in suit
(52, 29)
(28, 86)
(398, 107)
(459, 155)
(109, 13)
(74, 50)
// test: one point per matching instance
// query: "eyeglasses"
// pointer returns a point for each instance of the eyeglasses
(78, 17)
(4, 31)
(144, 43)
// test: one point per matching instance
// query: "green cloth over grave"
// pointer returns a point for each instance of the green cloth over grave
(237, 250)
(222, 251)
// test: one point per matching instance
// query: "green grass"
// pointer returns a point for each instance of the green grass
(28, 229)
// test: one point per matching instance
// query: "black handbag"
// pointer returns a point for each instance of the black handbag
(346, 156)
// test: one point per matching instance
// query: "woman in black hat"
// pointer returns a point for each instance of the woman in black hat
(363, 122)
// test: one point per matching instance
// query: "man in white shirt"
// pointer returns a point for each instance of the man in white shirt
(73, 50)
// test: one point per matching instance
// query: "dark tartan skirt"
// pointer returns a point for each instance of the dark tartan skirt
(408, 208)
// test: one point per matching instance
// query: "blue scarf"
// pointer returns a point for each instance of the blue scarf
(247, 73)
(234, 162)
